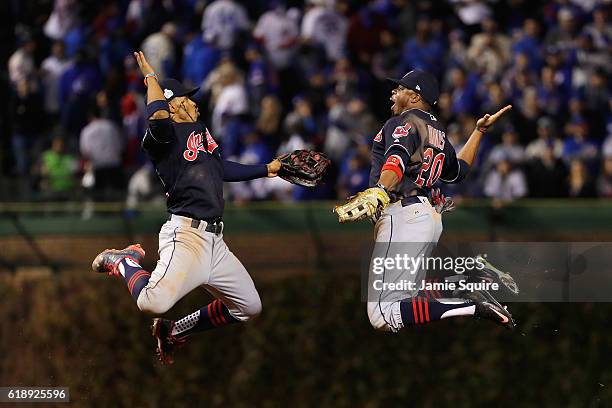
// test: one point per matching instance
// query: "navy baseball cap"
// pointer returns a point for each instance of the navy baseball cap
(422, 83)
(173, 88)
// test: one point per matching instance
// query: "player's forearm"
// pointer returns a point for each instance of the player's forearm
(233, 171)
(389, 179)
(155, 94)
(470, 150)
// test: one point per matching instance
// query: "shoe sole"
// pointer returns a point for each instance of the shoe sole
(504, 277)
(96, 265)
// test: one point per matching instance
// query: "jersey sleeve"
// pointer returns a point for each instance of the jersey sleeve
(160, 132)
(233, 171)
(454, 170)
(401, 141)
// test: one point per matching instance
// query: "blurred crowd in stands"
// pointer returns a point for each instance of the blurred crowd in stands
(281, 75)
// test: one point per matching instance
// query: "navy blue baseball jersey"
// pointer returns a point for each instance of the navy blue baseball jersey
(188, 161)
(414, 146)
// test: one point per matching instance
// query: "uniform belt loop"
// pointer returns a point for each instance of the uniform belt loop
(195, 223)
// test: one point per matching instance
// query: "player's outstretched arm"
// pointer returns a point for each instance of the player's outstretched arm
(154, 91)
(470, 150)
(233, 171)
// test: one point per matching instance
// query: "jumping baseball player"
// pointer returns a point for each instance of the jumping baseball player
(192, 252)
(409, 155)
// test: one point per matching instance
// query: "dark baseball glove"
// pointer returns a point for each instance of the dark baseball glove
(303, 167)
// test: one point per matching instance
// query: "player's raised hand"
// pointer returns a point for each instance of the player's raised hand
(143, 64)
(488, 120)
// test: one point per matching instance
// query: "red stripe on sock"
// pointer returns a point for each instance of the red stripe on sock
(135, 278)
(221, 313)
(414, 311)
(421, 310)
(210, 315)
(215, 310)
(426, 309)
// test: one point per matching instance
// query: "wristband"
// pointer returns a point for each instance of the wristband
(149, 75)
(156, 106)
(383, 188)
(482, 130)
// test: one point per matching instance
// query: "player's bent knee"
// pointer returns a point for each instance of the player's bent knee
(377, 320)
(253, 309)
(154, 306)
(249, 311)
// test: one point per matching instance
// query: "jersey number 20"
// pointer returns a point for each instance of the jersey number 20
(431, 168)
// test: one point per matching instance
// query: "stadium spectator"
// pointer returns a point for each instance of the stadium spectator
(199, 59)
(322, 26)
(61, 20)
(547, 174)
(301, 120)
(355, 173)
(547, 138)
(25, 110)
(563, 34)
(21, 63)
(509, 149)
(528, 43)
(550, 100)
(581, 184)
(58, 172)
(423, 51)
(101, 144)
(230, 100)
(268, 122)
(505, 182)
(278, 31)
(604, 182)
(223, 22)
(600, 29)
(52, 68)
(489, 51)
(160, 51)
(385, 62)
(363, 33)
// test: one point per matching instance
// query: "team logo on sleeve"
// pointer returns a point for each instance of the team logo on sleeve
(195, 144)
(402, 131)
(378, 136)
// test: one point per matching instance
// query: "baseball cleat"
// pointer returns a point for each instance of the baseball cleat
(489, 308)
(108, 260)
(493, 275)
(161, 329)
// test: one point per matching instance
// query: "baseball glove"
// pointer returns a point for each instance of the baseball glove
(366, 204)
(303, 167)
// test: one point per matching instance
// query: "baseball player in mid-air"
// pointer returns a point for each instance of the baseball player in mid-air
(192, 252)
(409, 155)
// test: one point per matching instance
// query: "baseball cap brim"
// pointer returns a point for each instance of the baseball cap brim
(173, 88)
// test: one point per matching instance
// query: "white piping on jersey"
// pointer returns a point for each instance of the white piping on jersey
(148, 132)
(397, 145)
(456, 177)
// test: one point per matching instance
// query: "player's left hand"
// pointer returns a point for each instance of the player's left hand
(143, 64)
(273, 168)
(366, 204)
(488, 120)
